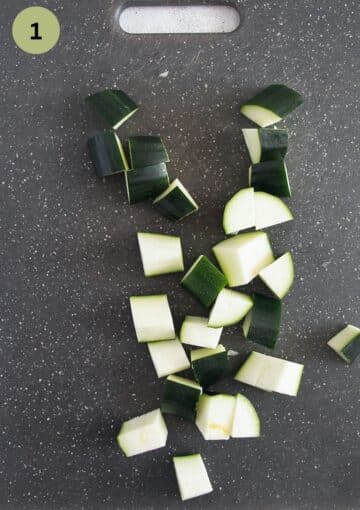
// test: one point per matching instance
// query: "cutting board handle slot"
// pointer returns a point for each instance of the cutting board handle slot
(201, 18)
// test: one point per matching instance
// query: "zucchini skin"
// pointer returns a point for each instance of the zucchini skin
(113, 105)
(277, 98)
(352, 349)
(180, 400)
(147, 151)
(274, 143)
(145, 183)
(265, 320)
(271, 177)
(175, 205)
(211, 369)
(205, 281)
(106, 153)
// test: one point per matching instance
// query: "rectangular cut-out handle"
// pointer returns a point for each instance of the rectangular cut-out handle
(179, 19)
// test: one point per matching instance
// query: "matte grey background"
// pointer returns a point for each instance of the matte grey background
(71, 369)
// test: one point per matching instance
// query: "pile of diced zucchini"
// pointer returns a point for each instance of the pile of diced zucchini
(142, 159)
(244, 255)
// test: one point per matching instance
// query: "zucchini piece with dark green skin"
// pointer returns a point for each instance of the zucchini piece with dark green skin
(107, 154)
(271, 177)
(262, 323)
(266, 144)
(147, 151)
(346, 343)
(204, 280)
(180, 397)
(210, 365)
(271, 105)
(145, 183)
(175, 202)
(114, 106)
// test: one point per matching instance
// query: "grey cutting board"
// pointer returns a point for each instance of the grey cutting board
(71, 370)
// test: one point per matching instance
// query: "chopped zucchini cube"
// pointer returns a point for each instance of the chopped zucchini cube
(147, 151)
(192, 477)
(152, 318)
(271, 374)
(209, 365)
(143, 434)
(214, 417)
(246, 421)
(181, 397)
(262, 323)
(279, 275)
(195, 331)
(271, 105)
(229, 308)
(239, 212)
(145, 183)
(168, 357)
(346, 343)
(114, 106)
(107, 154)
(175, 202)
(266, 144)
(242, 257)
(204, 280)
(270, 210)
(271, 177)
(160, 254)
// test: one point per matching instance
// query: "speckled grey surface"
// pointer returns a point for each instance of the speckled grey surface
(71, 370)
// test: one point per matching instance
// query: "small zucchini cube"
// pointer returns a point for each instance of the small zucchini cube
(195, 331)
(175, 202)
(209, 365)
(346, 343)
(271, 104)
(143, 433)
(192, 477)
(271, 374)
(168, 357)
(204, 280)
(114, 106)
(262, 323)
(270, 176)
(152, 318)
(243, 256)
(181, 397)
(229, 308)
(107, 154)
(246, 422)
(160, 254)
(147, 151)
(279, 275)
(145, 183)
(266, 144)
(214, 417)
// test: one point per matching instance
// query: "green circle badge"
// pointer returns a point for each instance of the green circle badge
(36, 30)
